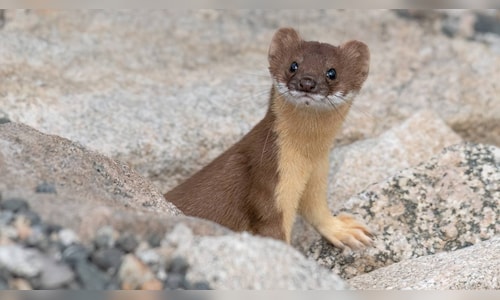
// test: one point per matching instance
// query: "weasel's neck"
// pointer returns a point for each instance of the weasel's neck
(310, 132)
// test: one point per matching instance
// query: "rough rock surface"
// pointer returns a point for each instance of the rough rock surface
(474, 267)
(246, 262)
(357, 165)
(88, 188)
(445, 204)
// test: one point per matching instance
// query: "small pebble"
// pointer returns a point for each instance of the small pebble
(105, 237)
(4, 120)
(19, 261)
(68, 237)
(174, 281)
(108, 259)
(6, 217)
(200, 285)
(127, 242)
(74, 254)
(178, 265)
(90, 277)
(46, 188)
(14, 205)
(155, 240)
(55, 275)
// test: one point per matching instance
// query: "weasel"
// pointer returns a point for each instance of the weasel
(280, 168)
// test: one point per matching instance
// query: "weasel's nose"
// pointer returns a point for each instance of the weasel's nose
(307, 84)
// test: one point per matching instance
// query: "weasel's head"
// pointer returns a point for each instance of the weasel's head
(314, 74)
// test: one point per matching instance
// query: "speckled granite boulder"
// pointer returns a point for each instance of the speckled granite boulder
(243, 261)
(357, 165)
(473, 267)
(445, 204)
(68, 184)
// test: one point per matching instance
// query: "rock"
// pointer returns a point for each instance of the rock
(108, 259)
(127, 242)
(445, 204)
(94, 185)
(14, 204)
(179, 266)
(54, 275)
(243, 261)
(45, 187)
(68, 237)
(175, 281)
(21, 261)
(474, 267)
(357, 165)
(6, 217)
(90, 277)
(134, 274)
(105, 237)
(75, 253)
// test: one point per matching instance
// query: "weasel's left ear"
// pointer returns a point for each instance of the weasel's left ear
(356, 57)
(284, 40)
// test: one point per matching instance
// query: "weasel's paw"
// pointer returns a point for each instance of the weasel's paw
(344, 231)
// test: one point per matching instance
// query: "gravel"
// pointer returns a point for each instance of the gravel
(38, 255)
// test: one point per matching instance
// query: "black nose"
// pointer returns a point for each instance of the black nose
(307, 84)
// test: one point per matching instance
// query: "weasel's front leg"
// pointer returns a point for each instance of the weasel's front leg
(342, 230)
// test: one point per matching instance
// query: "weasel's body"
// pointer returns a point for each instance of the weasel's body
(280, 168)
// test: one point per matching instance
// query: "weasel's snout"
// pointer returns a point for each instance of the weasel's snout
(307, 84)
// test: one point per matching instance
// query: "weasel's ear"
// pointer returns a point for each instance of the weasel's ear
(357, 58)
(283, 40)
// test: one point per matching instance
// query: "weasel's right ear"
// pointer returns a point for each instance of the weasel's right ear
(283, 41)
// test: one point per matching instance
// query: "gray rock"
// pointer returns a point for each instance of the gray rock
(20, 261)
(108, 259)
(55, 275)
(90, 277)
(105, 237)
(14, 205)
(445, 204)
(127, 242)
(475, 267)
(94, 185)
(6, 217)
(68, 237)
(75, 254)
(242, 261)
(45, 187)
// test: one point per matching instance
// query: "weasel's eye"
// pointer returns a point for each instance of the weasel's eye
(294, 67)
(331, 74)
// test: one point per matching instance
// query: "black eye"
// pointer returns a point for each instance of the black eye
(331, 74)
(294, 67)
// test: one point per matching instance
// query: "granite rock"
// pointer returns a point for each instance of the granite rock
(243, 261)
(475, 267)
(445, 204)
(88, 184)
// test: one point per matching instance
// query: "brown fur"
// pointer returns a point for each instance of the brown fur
(281, 166)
